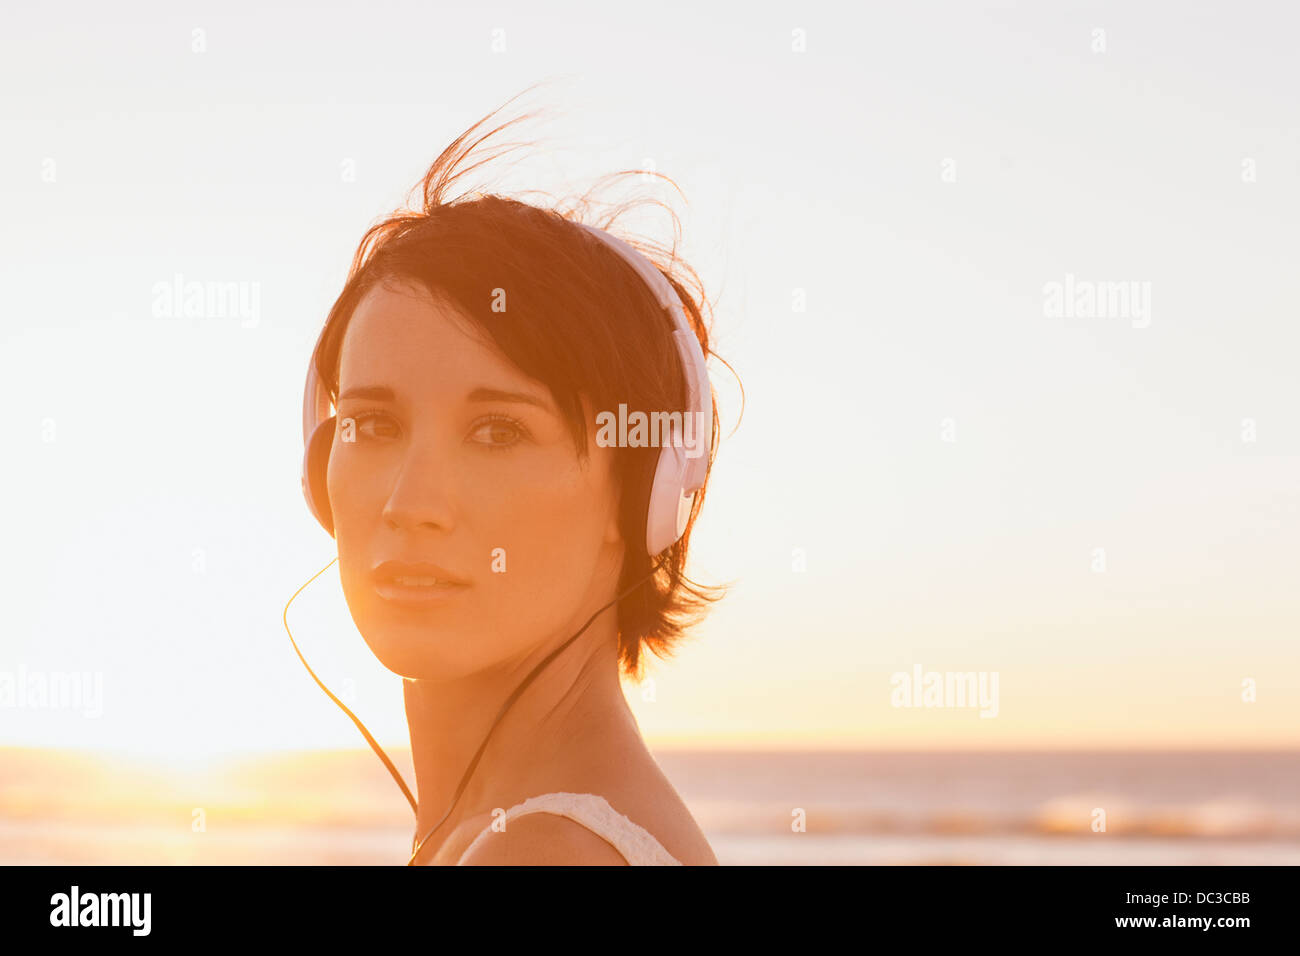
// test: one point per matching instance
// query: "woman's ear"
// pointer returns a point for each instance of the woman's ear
(614, 525)
(613, 533)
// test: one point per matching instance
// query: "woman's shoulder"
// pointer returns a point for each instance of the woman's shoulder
(653, 803)
(635, 820)
(567, 827)
(527, 836)
(634, 812)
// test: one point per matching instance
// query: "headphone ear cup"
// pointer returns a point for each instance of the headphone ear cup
(315, 463)
(669, 506)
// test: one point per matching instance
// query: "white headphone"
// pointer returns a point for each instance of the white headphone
(678, 475)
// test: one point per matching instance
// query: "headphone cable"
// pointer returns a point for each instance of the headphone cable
(464, 781)
(417, 845)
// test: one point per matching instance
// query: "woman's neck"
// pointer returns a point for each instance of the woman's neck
(573, 703)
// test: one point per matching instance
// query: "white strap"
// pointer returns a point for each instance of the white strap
(637, 844)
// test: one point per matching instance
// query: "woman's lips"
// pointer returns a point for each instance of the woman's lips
(416, 584)
(416, 592)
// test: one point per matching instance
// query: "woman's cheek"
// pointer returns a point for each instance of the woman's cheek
(357, 506)
(355, 487)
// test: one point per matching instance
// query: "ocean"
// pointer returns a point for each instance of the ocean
(757, 808)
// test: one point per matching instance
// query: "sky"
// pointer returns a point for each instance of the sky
(936, 467)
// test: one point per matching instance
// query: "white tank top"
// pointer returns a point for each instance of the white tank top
(593, 811)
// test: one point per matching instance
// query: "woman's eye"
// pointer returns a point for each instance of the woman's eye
(376, 426)
(498, 433)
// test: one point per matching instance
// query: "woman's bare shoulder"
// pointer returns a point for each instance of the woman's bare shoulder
(551, 839)
(661, 811)
(637, 789)
(644, 794)
(543, 839)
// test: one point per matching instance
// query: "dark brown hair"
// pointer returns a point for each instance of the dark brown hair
(579, 320)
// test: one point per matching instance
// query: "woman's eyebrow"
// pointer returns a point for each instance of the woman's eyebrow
(482, 394)
(377, 392)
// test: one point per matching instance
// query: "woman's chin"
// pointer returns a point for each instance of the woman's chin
(410, 663)
(417, 653)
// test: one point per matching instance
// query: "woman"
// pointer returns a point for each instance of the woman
(496, 548)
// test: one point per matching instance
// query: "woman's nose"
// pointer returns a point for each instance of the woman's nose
(422, 496)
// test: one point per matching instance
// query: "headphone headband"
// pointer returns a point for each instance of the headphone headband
(699, 398)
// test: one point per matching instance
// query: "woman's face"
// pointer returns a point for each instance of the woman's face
(434, 463)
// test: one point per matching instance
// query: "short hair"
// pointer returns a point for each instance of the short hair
(581, 321)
